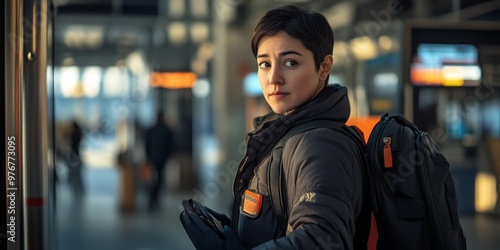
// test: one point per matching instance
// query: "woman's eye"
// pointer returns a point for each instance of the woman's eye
(263, 65)
(290, 63)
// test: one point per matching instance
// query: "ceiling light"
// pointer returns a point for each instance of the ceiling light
(199, 32)
(199, 8)
(363, 48)
(176, 8)
(177, 33)
(91, 81)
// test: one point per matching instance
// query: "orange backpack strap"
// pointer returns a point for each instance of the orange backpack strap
(372, 239)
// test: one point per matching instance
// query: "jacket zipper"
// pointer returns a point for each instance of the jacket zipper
(237, 199)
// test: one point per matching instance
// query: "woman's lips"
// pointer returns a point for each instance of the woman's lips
(278, 95)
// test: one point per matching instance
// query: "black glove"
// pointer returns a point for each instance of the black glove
(206, 228)
(225, 221)
(202, 235)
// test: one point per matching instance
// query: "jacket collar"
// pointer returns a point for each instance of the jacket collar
(330, 104)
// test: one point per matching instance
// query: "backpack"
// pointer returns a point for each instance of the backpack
(413, 198)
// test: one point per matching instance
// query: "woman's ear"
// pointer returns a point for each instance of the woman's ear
(326, 67)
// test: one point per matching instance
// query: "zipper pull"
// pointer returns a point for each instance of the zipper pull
(387, 152)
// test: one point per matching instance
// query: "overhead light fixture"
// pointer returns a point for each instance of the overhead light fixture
(340, 15)
(115, 81)
(94, 39)
(176, 8)
(68, 61)
(135, 62)
(177, 33)
(226, 10)
(69, 81)
(341, 53)
(84, 36)
(386, 43)
(199, 32)
(363, 48)
(91, 80)
(199, 8)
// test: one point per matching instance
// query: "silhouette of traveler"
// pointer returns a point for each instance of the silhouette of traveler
(159, 147)
(74, 161)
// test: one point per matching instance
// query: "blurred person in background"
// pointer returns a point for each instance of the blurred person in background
(74, 161)
(125, 163)
(159, 145)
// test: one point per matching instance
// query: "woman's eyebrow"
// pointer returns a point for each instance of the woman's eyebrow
(284, 53)
(290, 52)
(262, 55)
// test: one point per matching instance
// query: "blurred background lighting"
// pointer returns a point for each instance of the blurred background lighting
(199, 32)
(69, 81)
(91, 81)
(199, 67)
(135, 62)
(486, 195)
(199, 8)
(201, 88)
(173, 80)
(386, 43)
(206, 51)
(114, 83)
(177, 33)
(363, 48)
(176, 8)
(251, 85)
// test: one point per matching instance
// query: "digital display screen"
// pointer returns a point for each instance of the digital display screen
(450, 65)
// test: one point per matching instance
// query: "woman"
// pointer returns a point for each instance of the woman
(322, 169)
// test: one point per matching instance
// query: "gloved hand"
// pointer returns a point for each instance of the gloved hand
(208, 229)
(201, 234)
(221, 217)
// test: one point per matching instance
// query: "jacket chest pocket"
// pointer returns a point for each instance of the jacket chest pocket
(255, 230)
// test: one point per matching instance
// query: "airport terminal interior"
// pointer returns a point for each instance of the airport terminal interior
(113, 65)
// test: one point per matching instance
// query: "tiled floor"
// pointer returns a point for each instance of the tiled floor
(95, 222)
(482, 232)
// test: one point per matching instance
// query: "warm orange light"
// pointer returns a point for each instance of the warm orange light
(173, 80)
(446, 75)
(426, 76)
(365, 124)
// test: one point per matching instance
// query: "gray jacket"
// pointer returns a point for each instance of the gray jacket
(325, 187)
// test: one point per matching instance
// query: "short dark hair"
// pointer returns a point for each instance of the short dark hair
(310, 27)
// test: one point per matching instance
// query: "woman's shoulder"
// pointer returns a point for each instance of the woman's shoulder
(318, 134)
(320, 139)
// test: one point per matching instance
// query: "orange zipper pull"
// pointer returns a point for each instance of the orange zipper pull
(387, 152)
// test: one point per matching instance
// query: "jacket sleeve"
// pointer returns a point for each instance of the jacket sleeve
(323, 180)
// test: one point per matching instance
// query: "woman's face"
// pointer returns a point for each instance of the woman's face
(287, 73)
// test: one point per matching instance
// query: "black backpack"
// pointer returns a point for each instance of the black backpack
(413, 196)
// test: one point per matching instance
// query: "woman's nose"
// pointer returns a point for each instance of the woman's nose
(276, 77)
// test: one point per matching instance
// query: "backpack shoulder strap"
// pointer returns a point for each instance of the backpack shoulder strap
(275, 170)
